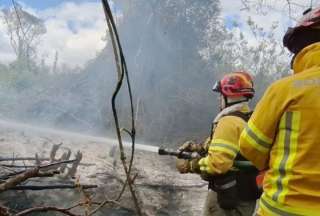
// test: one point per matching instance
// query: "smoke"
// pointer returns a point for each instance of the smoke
(175, 49)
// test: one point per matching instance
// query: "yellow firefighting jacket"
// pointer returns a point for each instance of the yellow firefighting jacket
(224, 145)
(283, 136)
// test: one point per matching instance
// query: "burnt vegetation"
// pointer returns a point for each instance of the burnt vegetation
(174, 50)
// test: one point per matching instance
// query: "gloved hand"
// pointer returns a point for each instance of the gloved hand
(188, 166)
(183, 166)
(190, 146)
(187, 146)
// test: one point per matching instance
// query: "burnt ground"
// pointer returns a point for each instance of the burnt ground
(160, 188)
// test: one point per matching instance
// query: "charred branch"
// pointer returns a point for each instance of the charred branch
(52, 187)
(16, 178)
(10, 183)
(22, 159)
(46, 209)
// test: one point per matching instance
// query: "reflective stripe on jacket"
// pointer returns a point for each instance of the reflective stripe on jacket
(283, 136)
(224, 145)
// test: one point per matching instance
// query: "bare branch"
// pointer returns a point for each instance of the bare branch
(19, 178)
(245, 4)
(289, 6)
(46, 209)
(107, 201)
(51, 187)
(22, 159)
(43, 167)
(122, 72)
(4, 211)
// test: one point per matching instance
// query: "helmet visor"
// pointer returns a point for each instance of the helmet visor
(216, 87)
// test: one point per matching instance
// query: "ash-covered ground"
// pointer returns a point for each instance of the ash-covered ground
(160, 188)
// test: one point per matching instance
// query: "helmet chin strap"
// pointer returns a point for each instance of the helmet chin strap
(292, 60)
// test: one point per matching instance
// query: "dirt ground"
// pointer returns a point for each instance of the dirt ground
(160, 188)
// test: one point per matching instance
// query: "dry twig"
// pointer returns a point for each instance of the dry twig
(46, 209)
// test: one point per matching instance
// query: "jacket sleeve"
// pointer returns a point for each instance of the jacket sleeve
(257, 138)
(224, 144)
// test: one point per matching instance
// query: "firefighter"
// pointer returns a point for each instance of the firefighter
(230, 192)
(283, 136)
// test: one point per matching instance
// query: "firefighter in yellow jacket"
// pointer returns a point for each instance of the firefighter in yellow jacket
(283, 134)
(235, 89)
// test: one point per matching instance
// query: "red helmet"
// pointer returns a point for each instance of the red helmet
(235, 84)
(301, 35)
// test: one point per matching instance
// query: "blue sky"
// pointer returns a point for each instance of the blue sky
(232, 20)
(43, 4)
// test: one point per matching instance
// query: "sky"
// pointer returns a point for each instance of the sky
(271, 12)
(75, 28)
(43, 4)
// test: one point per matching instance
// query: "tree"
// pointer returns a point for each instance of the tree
(293, 8)
(25, 31)
(267, 60)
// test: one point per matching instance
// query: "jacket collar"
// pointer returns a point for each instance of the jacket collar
(242, 107)
(307, 58)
